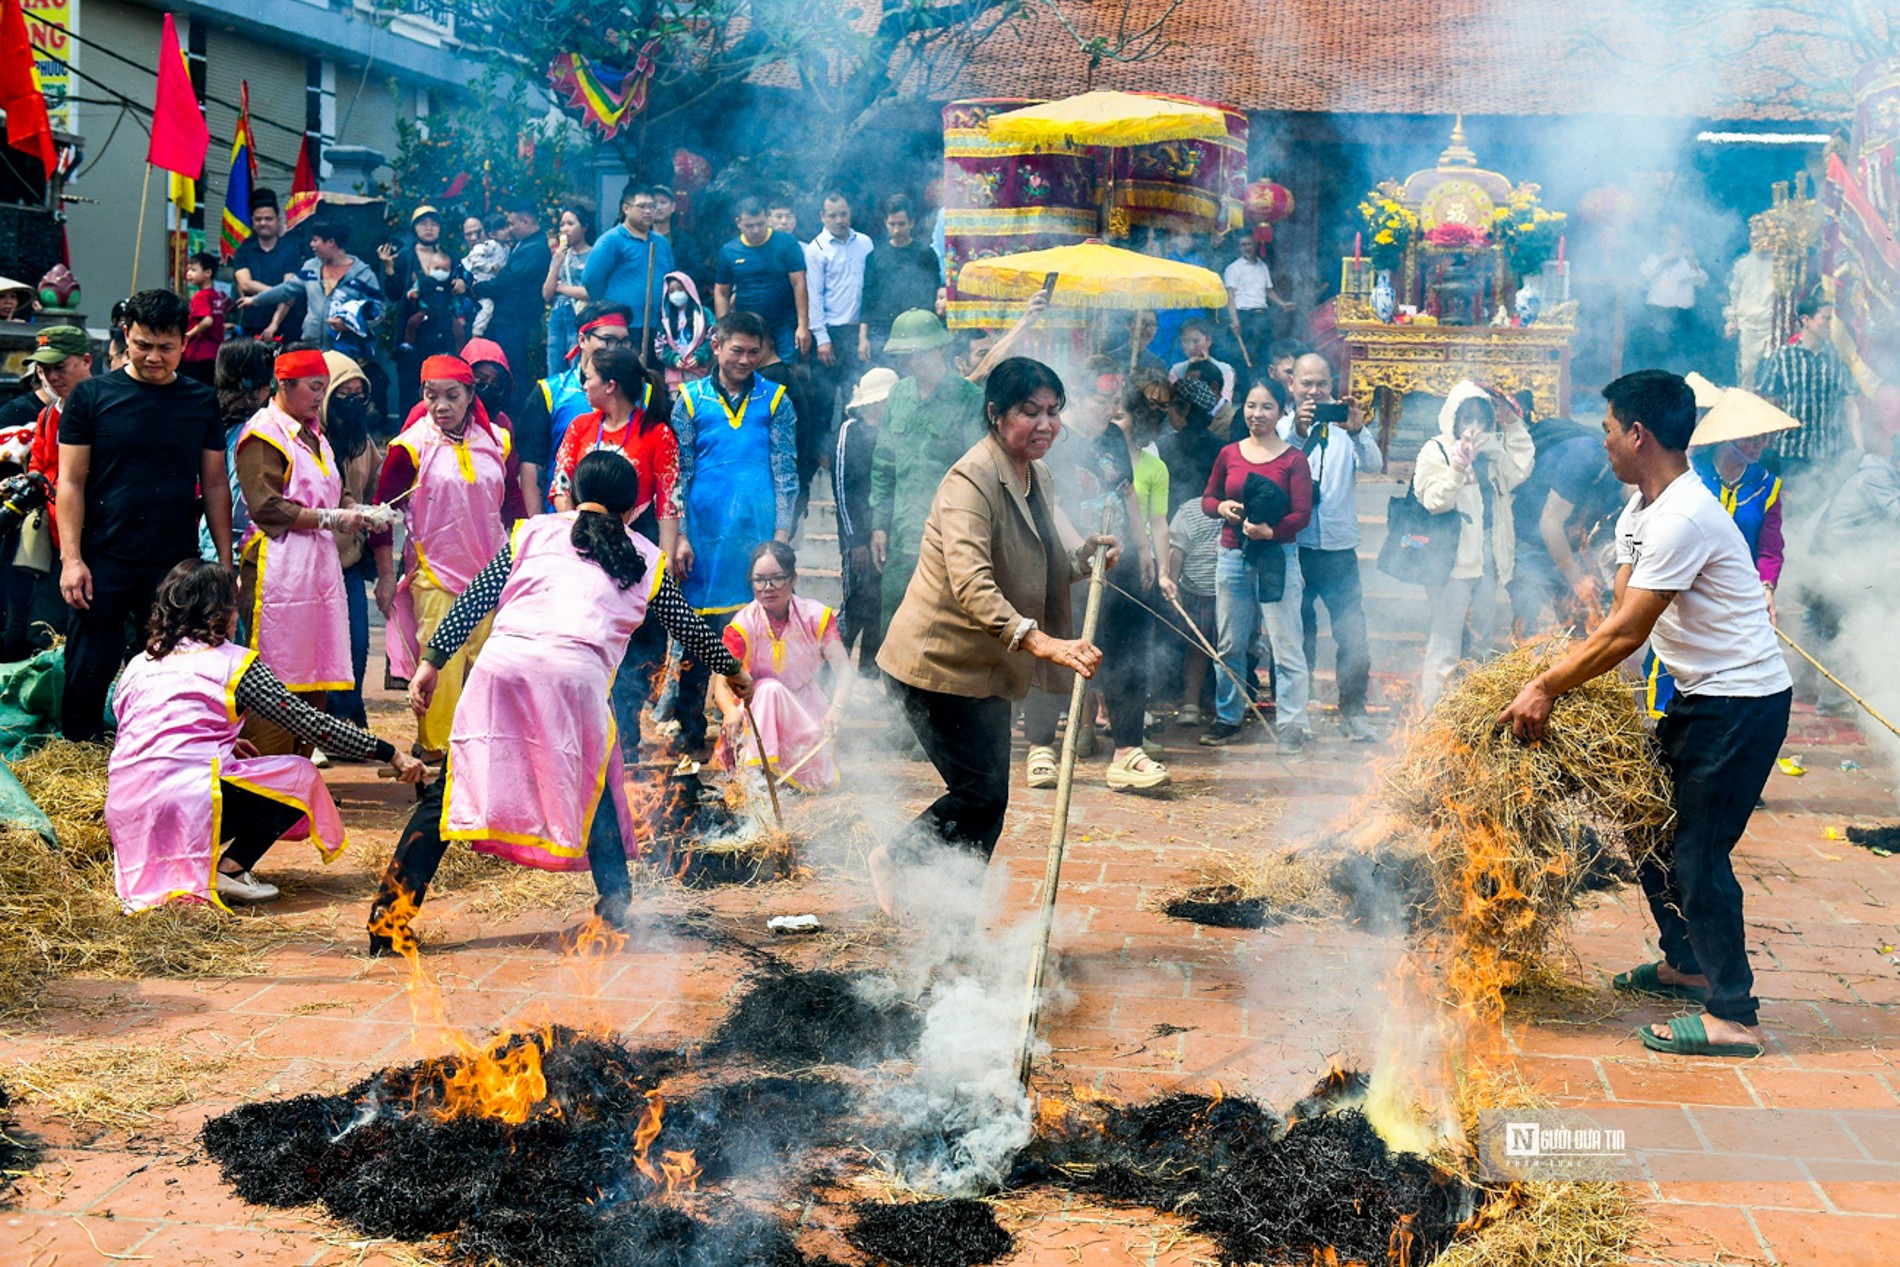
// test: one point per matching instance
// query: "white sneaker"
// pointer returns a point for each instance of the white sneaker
(319, 759)
(246, 888)
(1189, 716)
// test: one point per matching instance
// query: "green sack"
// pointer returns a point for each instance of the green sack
(18, 810)
(30, 693)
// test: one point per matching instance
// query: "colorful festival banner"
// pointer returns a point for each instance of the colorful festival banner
(607, 98)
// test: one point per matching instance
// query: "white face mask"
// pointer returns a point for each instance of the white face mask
(678, 298)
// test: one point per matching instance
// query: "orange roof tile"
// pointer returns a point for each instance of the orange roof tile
(1433, 57)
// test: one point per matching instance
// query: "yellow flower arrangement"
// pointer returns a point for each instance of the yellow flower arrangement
(1527, 231)
(1390, 223)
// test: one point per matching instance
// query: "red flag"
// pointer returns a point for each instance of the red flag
(179, 135)
(28, 127)
(303, 186)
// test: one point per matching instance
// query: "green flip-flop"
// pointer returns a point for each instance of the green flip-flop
(1646, 980)
(1689, 1037)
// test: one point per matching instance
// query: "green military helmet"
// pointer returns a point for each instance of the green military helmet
(917, 330)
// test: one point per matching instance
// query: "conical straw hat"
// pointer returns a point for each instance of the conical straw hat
(1706, 393)
(1739, 415)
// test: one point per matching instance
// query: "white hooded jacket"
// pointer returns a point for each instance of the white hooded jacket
(1441, 486)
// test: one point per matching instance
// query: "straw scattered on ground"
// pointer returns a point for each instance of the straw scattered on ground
(122, 1086)
(1513, 830)
(67, 781)
(1237, 890)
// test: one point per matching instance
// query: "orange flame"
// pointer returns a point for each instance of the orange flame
(677, 1171)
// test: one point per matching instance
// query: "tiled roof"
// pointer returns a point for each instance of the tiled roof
(1433, 57)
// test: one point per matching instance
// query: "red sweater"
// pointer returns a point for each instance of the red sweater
(1228, 483)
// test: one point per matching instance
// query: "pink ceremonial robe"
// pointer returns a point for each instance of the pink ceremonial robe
(533, 749)
(788, 702)
(300, 617)
(178, 719)
(453, 520)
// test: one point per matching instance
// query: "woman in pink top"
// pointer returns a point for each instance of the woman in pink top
(783, 640)
(190, 806)
(1257, 578)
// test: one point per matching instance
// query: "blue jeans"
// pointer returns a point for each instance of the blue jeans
(1238, 617)
(563, 333)
(356, 578)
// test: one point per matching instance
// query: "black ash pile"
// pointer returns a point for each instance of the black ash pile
(1882, 841)
(19, 1153)
(1317, 1186)
(794, 1020)
(955, 1233)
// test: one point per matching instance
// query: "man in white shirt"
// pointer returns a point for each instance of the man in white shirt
(1685, 581)
(834, 277)
(1249, 291)
(1669, 306)
(1749, 317)
(1329, 544)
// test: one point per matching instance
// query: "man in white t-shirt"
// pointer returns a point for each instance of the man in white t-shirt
(1686, 582)
(1249, 291)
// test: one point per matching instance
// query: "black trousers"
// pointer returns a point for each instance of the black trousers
(858, 619)
(419, 852)
(32, 599)
(689, 699)
(251, 824)
(968, 741)
(101, 638)
(1719, 750)
(1332, 577)
(1124, 630)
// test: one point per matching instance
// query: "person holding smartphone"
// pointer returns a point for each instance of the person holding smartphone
(1338, 447)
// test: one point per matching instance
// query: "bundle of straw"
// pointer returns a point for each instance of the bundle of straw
(61, 917)
(1510, 829)
(68, 782)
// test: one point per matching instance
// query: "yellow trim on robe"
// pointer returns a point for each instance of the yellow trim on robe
(230, 687)
(262, 542)
(527, 839)
(659, 574)
(284, 798)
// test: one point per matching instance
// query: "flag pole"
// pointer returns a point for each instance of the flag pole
(145, 196)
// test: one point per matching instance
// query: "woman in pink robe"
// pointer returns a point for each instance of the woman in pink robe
(190, 806)
(534, 765)
(783, 641)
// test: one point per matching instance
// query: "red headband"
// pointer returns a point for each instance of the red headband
(609, 319)
(305, 364)
(450, 367)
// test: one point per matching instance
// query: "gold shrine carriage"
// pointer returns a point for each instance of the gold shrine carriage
(1464, 278)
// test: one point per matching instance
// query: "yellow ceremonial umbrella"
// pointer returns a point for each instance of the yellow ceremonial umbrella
(1106, 118)
(1094, 275)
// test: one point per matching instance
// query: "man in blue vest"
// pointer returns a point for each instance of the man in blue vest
(559, 400)
(738, 486)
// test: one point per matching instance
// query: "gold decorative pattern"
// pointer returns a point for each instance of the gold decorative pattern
(1432, 359)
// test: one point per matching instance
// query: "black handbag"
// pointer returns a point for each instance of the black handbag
(1420, 547)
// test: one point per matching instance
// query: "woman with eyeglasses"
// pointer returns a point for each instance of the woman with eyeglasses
(783, 641)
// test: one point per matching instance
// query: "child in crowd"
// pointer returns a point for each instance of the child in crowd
(682, 342)
(483, 261)
(1193, 550)
(206, 332)
(1197, 344)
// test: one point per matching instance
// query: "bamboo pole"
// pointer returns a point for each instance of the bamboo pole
(138, 242)
(1851, 694)
(771, 784)
(1059, 833)
(805, 760)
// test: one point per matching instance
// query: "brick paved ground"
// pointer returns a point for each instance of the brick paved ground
(1155, 1004)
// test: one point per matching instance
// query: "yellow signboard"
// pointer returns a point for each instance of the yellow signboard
(55, 54)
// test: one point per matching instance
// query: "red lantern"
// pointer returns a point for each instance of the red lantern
(690, 172)
(1264, 202)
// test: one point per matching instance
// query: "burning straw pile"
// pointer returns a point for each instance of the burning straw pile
(552, 1148)
(1242, 891)
(1511, 831)
(59, 910)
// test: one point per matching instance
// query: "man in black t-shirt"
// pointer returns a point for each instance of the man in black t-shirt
(262, 261)
(135, 447)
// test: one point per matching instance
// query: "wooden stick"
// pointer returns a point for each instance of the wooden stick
(803, 761)
(1822, 669)
(771, 784)
(1059, 834)
(138, 242)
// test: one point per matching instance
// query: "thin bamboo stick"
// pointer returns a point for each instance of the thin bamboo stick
(1851, 694)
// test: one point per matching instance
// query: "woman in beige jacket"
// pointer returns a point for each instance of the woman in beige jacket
(1481, 453)
(985, 611)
